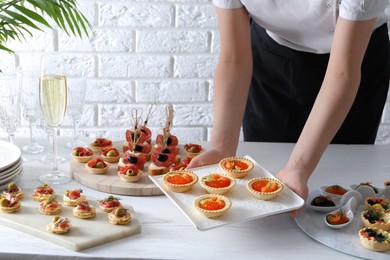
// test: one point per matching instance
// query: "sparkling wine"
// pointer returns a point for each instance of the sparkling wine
(53, 98)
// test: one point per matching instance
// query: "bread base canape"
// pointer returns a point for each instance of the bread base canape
(72, 197)
(50, 206)
(119, 216)
(14, 190)
(84, 210)
(10, 204)
(109, 203)
(59, 225)
(42, 193)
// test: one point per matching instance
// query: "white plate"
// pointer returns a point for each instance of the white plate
(11, 177)
(9, 154)
(244, 205)
(10, 170)
(345, 240)
(14, 178)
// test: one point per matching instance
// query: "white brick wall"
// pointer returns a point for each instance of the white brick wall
(141, 52)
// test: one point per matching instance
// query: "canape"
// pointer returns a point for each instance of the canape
(217, 183)
(376, 203)
(376, 219)
(72, 197)
(374, 239)
(336, 190)
(14, 190)
(323, 201)
(265, 188)
(180, 181)
(97, 166)
(110, 155)
(130, 173)
(193, 150)
(100, 143)
(237, 167)
(212, 205)
(129, 158)
(84, 210)
(43, 192)
(337, 218)
(109, 203)
(119, 216)
(59, 225)
(50, 206)
(10, 203)
(82, 154)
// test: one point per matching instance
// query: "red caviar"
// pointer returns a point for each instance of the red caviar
(177, 178)
(213, 203)
(217, 181)
(265, 186)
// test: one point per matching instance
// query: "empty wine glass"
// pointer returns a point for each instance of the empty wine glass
(47, 158)
(10, 85)
(53, 99)
(30, 108)
(75, 108)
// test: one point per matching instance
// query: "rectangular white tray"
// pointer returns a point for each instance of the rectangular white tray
(244, 205)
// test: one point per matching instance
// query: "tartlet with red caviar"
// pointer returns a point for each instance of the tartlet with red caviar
(237, 167)
(180, 181)
(82, 154)
(130, 173)
(111, 154)
(212, 205)
(97, 166)
(217, 183)
(264, 188)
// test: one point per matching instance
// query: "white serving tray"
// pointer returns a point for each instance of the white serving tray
(244, 206)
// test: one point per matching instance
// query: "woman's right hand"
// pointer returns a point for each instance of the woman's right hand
(206, 158)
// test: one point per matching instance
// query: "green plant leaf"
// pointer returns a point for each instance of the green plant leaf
(33, 15)
(21, 18)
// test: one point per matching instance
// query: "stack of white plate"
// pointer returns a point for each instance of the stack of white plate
(11, 167)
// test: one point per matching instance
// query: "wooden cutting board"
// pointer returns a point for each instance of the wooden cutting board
(84, 233)
(111, 182)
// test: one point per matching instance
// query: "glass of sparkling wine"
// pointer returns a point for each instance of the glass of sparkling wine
(53, 100)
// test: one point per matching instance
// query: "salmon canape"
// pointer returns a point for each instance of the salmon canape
(110, 155)
(376, 203)
(130, 173)
(109, 203)
(180, 181)
(50, 206)
(59, 225)
(14, 190)
(217, 183)
(82, 154)
(43, 192)
(72, 197)
(374, 239)
(10, 203)
(237, 167)
(265, 188)
(192, 150)
(100, 143)
(376, 219)
(212, 205)
(97, 166)
(84, 210)
(119, 216)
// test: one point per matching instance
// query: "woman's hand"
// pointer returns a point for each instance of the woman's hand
(206, 158)
(296, 181)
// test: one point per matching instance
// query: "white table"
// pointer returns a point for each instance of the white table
(167, 233)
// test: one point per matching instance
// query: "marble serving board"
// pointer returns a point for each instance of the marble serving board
(110, 182)
(345, 239)
(85, 233)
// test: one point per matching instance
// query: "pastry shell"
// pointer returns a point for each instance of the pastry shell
(98, 170)
(82, 159)
(213, 190)
(212, 213)
(376, 206)
(235, 173)
(180, 187)
(381, 225)
(134, 178)
(374, 245)
(12, 209)
(264, 195)
(110, 159)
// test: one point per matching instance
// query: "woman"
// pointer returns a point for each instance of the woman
(317, 72)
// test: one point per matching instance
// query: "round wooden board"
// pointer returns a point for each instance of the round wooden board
(111, 182)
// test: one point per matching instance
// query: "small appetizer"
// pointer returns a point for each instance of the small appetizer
(43, 192)
(237, 167)
(376, 219)
(369, 185)
(374, 239)
(119, 216)
(50, 206)
(59, 225)
(84, 210)
(129, 158)
(212, 205)
(138, 149)
(337, 218)
(216, 183)
(10, 203)
(180, 181)
(323, 201)
(162, 161)
(14, 189)
(100, 143)
(109, 203)
(376, 203)
(192, 150)
(97, 166)
(264, 188)
(336, 189)
(72, 197)
(130, 173)
(110, 155)
(386, 184)
(178, 167)
(82, 154)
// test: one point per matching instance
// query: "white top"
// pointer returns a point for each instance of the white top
(307, 25)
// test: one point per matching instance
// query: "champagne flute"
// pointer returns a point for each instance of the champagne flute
(53, 99)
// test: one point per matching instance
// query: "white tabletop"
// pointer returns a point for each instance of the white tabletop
(167, 234)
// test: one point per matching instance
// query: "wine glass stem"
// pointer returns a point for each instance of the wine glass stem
(32, 131)
(11, 138)
(76, 123)
(55, 165)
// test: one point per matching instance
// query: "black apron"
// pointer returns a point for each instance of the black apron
(285, 83)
